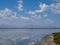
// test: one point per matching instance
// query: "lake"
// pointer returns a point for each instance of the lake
(23, 36)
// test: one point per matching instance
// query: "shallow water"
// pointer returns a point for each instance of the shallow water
(19, 35)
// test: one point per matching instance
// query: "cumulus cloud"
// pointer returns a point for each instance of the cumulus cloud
(20, 5)
(55, 8)
(8, 17)
(42, 8)
(7, 13)
(31, 12)
(36, 17)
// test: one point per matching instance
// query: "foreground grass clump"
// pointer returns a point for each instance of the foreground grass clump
(57, 38)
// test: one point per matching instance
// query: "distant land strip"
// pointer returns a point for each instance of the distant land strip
(29, 28)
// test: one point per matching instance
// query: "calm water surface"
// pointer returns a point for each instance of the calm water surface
(17, 35)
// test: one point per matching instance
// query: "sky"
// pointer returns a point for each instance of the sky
(29, 13)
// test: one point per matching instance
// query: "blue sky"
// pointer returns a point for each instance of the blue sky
(29, 13)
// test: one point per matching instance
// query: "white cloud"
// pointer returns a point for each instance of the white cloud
(42, 7)
(25, 18)
(36, 16)
(8, 17)
(31, 12)
(12, 19)
(48, 21)
(56, 1)
(20, 5)
(55, 8)
(7, 13)
(45, 15)
(20, 1)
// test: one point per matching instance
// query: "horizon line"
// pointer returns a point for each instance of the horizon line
(29, 28)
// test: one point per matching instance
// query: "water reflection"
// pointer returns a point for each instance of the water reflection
(23, 36)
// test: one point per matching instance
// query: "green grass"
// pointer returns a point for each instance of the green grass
(57, 37)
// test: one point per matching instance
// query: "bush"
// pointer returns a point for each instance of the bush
(57, 37)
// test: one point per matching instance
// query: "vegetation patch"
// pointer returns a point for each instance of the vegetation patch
(57, 38)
